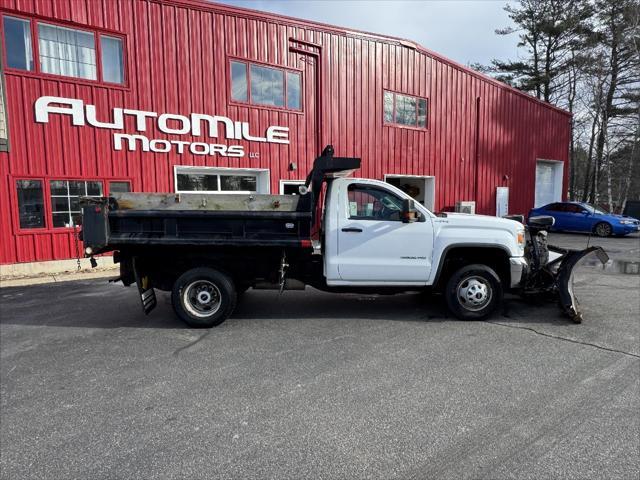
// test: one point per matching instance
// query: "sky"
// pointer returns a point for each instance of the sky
(462, 30)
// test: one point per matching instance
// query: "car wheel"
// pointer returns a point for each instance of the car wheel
(603, 229)
(473, 292)
(203, 297)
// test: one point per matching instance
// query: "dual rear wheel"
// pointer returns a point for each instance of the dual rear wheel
(204, 297)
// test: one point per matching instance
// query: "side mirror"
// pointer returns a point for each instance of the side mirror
(409, 212)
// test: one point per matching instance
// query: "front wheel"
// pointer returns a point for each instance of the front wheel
(203, 297)
(473, 292)
(603, 229)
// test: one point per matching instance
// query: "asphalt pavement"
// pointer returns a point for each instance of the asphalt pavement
(314, 385)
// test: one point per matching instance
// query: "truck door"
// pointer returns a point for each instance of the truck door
(374, 245)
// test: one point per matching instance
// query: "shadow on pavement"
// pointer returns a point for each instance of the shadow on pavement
(97, 304)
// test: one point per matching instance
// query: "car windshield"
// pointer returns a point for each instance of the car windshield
(593, 208)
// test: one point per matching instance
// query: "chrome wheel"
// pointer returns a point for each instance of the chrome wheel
(201, 298)
(474, 293)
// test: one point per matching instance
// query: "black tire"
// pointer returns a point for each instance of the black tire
(473, 292)
(603, 229)
(203, 297)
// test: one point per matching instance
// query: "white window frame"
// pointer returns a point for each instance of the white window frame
(262, 175)
(289, 182)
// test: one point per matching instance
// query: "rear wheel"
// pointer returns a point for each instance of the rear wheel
(473, 292)
(603, 229)
(203, 297)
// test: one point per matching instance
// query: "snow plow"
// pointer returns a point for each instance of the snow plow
(551, 269)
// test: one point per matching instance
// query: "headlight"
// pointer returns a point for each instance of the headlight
(521, 239)
(627, 222)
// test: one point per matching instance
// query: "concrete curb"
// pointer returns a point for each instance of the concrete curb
(58, 277)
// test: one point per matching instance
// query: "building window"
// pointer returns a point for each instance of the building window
(65, 199)
(112, 59)
(268, 86)
(67, 52)
(30, 203)
(4, 134)
(4, 130)
(294, 95)
(17, 37)
(220, 180)
(211, 182)
(370, 203)
(119, 187)
(63, 51)
(405, 110)
(239, 82)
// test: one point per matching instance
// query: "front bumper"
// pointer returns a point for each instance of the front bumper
(518, 269)
(625, 229)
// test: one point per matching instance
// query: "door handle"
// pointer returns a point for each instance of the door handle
(352, 229)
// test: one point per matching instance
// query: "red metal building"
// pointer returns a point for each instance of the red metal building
(183, 95)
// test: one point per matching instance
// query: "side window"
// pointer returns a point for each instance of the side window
(573, 208)
(30, 203)
(371, 203)
(555, 207)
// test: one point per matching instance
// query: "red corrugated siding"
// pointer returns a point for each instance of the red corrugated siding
(177, 54)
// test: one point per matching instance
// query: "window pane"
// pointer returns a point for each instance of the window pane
(238, 182)
(294, 99)
(17, 37)
(197, 182)
(422, 112)
(94, 188)
(59, 204)
(405, 110)
(77, 187)
(58, 187)
(65, 51)
(366, 203)
(112, 59)
(119, 187)
(239, 81)
(30, 203)
(388, 107)
(61, 220)
(267, 86)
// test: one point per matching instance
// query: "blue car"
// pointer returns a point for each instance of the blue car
(583, 217)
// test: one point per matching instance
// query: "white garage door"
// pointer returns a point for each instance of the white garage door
(548, 182)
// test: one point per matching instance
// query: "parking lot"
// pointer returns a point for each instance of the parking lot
(309, 384)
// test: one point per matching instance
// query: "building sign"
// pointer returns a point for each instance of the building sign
(195, 124)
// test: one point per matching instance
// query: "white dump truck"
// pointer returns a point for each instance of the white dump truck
(340, 234)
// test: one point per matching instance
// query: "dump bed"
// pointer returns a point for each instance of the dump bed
(197, 219)
(122, 219)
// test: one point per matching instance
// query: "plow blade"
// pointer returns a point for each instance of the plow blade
(564, 278)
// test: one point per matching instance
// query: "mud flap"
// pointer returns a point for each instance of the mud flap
(564, 279)
(147, 293)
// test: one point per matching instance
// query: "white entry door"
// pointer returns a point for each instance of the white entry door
(548, 182)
